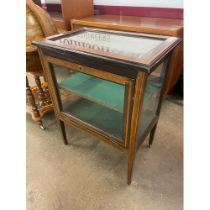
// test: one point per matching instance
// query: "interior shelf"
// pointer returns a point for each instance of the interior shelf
(103, 92)
(100, 102)
(106, 93)
(101, 117)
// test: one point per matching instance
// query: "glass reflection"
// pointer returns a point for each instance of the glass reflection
(131, 46)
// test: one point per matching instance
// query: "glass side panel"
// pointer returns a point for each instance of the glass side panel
(97, 102)
(151, 98)
(131, 46)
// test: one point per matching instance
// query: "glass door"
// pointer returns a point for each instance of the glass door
(94, 101)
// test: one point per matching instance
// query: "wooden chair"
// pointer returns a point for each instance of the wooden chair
(38, 25)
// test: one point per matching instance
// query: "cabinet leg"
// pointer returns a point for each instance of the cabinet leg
(63, 131)
(152, 134)
(137, 105)
(131, 160)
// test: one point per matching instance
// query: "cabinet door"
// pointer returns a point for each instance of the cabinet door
(96, 100)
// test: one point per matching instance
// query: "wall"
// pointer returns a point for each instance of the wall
(51, 1)
(140, 8)
(142, 3)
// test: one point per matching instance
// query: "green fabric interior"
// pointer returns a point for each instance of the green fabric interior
(97, 115)
(101, 91)
(104, 107)
(95, 89)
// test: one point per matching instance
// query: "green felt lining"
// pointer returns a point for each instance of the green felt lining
(95, 89)
(101, 91)
(104, 107)
(97, 115)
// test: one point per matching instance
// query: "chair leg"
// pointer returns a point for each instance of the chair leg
(31, 101)
(46, 92)
(40, 90)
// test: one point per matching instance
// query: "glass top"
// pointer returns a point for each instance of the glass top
(107, 42)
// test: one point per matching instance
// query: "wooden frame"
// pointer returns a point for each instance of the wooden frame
(134, 83)
(146, 62)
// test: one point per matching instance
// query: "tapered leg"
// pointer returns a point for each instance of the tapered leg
(63, 131)
(137, 105)
(31, 102)
(131, 159)
(152, 134)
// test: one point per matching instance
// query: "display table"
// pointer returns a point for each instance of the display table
(108, 83)
(159, 26)
(38, 25)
